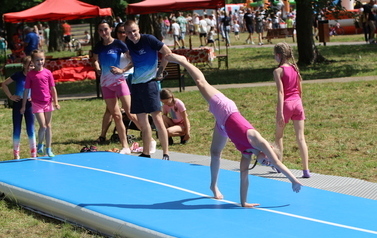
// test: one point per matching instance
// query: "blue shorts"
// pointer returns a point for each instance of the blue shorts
(145, 97)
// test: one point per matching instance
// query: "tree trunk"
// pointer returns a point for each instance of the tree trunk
(307, 51)
(148, 24)
(56, 36)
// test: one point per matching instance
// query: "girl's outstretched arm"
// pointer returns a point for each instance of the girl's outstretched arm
(261, 144)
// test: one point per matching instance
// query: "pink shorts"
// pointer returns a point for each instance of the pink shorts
(236, 127)
(293, 110)
(116, 91)
(40, 108)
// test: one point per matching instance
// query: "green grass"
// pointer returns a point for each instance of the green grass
(340, 126)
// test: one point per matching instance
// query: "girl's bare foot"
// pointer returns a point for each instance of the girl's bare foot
(250, 205)
(216, 193)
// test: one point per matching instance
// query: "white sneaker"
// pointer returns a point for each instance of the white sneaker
(125, 151)
(252, 43)
(152, 147)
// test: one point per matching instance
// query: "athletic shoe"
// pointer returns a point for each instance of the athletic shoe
(125, 151)
(252, 43)
(306, 174)
(16, 154)
(92, 148)
(33, 152)
(152, 148)
(165, 157)
(49, 152)
(40, 149)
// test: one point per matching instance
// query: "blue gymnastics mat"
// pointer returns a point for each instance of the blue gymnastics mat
(130, 196)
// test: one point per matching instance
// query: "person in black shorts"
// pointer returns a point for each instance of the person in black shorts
(249, 23)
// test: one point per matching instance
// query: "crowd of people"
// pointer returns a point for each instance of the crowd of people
(223, 23)
(29, 38)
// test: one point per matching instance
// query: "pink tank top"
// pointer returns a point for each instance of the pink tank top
(290, 80)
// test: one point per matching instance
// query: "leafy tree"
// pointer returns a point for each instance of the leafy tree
(307, 11)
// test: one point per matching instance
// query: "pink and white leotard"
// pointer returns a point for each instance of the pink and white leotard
(230, 122)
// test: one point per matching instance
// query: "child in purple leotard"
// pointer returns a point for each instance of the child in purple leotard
(289, 105)
(230, 123)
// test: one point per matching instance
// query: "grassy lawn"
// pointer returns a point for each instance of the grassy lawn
(340, 126)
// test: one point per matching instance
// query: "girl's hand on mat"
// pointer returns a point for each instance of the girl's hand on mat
(251, 205)
(296, 187)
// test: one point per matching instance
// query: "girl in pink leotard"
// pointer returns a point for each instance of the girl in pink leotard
(230, 123)
(289, 105)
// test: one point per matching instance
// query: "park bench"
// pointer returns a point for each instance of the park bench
(174, 72)
(279, 33)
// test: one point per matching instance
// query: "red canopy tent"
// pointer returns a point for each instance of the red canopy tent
(51, 10)
(153, 6)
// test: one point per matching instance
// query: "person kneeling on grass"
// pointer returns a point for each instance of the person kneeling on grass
(175, 117)
(230, 123)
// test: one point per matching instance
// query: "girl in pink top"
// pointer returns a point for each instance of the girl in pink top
(175, 116)
(289, 105)
(230, 123)
(43, 99)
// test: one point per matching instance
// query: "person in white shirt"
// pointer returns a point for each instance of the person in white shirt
(86, 39)
(202, 30)
(236, 29)
(176, 30)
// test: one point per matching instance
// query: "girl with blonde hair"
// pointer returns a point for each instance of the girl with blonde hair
(289, 102)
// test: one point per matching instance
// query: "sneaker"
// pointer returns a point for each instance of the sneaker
(248, 42)
(152, 148)
(49, 152)
(252, 43)
(33, 152)
(306, 174)
(170, 139)
(125, 151)
(40, 149)
(165, 157)
(134, 146)
(16, 154)
(93, 148)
